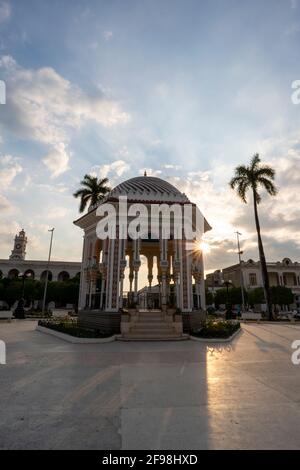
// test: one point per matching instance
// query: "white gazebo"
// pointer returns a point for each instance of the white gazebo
(113, 262)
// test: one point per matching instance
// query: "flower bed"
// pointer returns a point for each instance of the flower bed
(70, 327)
(217, 329)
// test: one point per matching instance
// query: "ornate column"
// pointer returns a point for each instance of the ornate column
(103, 271)
(150, 270)
(186, 293)
(176, 272)
(94, 275)
(113, 274)
(122, 269)
(83, 283)
(198, 273)
(136, 266)
(164, 265)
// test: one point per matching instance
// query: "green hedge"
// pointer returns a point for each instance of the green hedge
(70, 327)
(217, 329)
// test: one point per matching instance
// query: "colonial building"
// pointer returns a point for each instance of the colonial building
(281, 273)
(110, 263)
(18, 264)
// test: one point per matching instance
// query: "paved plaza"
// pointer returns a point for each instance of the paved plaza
(155, 395)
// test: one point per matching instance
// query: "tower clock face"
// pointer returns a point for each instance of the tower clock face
(18, 246)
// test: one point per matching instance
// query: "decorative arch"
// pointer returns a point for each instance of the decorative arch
(30, 274)
(63, 276)
(13, 274)
(44, 275)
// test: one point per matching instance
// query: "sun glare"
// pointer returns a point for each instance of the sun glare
(204, 247)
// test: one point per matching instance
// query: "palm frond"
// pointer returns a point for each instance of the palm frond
(255, 160)
(268, 185)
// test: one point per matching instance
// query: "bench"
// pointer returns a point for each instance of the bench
(6, 315)
(251, 316)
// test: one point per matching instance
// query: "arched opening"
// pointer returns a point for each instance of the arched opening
(44, 275)
(29, 273)
(13, 274)
(63, 276)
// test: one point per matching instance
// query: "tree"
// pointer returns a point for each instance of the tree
(92, 192)
(209, 297)
(253, 177)
(281, 295)
(234, 296)
(256, 296)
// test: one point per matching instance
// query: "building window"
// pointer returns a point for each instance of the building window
(252, 279)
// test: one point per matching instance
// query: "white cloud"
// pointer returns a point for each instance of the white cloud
(108, 35)
(5, 205)
(44, 106)
(56, 212)
(57, 159)
(5, 11)
(10, 167)
(111, 170)
(170, 166)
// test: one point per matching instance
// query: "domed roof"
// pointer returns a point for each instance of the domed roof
(148, 188)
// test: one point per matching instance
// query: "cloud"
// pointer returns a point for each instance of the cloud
(10, 167)
(57, 160)
(5, 11)
(5, 205)
(111, 170)
(224, 211)
(108, 35)
(45, 107)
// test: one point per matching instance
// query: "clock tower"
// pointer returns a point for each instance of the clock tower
(19, 250)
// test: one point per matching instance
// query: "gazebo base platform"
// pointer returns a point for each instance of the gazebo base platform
(143, 325)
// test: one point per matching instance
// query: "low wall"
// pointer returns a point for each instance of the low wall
(192, 321)
(106, 322)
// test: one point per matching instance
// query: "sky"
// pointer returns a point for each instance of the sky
(186, 89)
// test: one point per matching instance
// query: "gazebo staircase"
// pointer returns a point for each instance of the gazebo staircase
(152, 325)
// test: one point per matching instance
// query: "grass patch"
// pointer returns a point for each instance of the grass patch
(70, 327)
(217, 329)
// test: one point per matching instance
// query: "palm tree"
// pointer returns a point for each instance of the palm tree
(92, 192)
(252, 177)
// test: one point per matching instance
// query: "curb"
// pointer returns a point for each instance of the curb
(216, 340)
(74, 339)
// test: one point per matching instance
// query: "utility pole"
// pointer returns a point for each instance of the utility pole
(47, 272)
(238, 234)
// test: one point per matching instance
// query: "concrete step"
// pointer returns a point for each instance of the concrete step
(153, 332)
(152, 322)
(136, 337)
(142, 326)
(151, 317)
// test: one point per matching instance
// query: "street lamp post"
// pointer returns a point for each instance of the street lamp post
(47, 271)
(241, 273)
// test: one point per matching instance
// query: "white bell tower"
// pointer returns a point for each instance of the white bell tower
(19, 250)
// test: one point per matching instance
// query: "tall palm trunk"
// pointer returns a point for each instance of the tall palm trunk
(262, 258)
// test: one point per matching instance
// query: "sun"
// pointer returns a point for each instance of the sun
(203, 246)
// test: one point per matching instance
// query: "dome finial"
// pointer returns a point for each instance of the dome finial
(145, 173)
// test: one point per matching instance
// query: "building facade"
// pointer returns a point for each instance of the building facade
(281, 273)
(17, 264)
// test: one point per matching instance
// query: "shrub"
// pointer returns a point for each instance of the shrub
(217, 329)
(70, 327)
